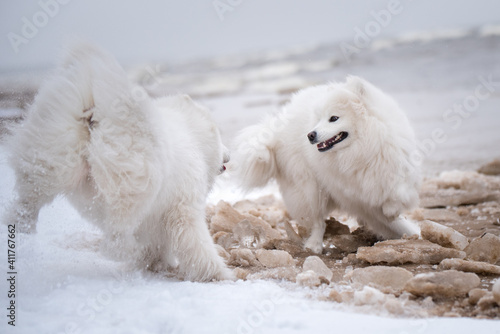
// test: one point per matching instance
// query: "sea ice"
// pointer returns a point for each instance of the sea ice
(496, 291)
(274, 258)
(317, 265)
(449, 283)
(485, 248)
(443, 235)
(470, 266)
(308, 278)
(394, 252)
(386, 279)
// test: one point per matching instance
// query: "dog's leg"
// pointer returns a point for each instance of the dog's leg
(315, 240)
(23, 211)
(308, 207)
(192, 245)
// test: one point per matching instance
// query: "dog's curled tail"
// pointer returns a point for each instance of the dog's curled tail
(253, 161)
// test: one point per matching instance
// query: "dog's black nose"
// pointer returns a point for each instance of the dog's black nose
(312, 136)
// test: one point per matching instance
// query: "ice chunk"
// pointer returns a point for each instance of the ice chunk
(308, 278)
(402, 251)
(476, 294)
(387, 279)
(249, 235)
(496, 291)
(492, 168)
(485, 248)
(453, 197)
(241, 273)
(440, 215)
(449, 283)
(317, 265)
(292, 235)
(288, 246)
(369, 296)
(225, 218)
(470, 266)
(286, 273)
(274, 258)
(443, 235)
(242, 257)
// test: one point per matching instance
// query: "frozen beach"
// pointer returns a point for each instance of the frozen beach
(449, 84)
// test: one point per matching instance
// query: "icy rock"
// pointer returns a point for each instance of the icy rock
(292, 235)
(281, 273)
(496, 291)
(453, 197)
(487, 302)
(492, 168)
(222, 252)
(317, 265)
(249, 235)
(241, 273)
(476, 294)
(443, 235)
(486, 249)
(386, 279)
(242, 257)
(449, 283)
(369, 296)
(274, 258)
(308, 278)
(470, 266)
(348, 243)
(224, 239)
(335, 296)
(288, 246)
(225, 218)
(440, 215)
(395, 252)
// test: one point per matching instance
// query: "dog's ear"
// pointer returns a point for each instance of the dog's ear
(356, 85)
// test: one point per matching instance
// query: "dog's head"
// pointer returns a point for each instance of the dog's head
(338, 115)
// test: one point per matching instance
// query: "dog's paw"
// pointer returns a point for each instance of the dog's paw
(314, 246)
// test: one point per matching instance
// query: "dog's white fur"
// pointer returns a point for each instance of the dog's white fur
(140, 168)
(369, 175)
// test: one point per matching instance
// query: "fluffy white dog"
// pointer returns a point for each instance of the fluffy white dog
(139, 168)
(340, 146)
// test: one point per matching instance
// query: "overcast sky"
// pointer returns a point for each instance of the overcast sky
(32, 31)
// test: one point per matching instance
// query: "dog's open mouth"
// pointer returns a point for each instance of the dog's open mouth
(328, 144)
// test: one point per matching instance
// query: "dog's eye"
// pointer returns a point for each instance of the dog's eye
(333, 119)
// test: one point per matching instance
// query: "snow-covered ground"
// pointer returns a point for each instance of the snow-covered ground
(65, 285)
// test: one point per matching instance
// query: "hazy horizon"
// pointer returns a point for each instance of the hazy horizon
(175, 31)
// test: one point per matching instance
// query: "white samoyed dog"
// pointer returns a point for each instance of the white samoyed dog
(340, 146)
(140, 168)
